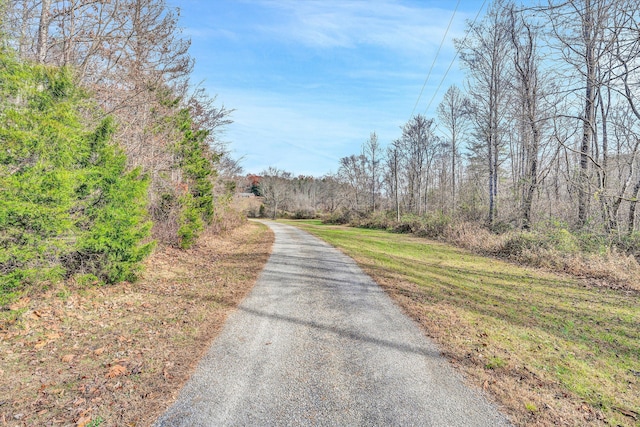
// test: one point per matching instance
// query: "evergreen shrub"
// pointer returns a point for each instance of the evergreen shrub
(68, 205)
(197, 165)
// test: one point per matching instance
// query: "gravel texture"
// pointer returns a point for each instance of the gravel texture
(317, 342)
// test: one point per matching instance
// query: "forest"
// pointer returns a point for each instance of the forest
(539, 143)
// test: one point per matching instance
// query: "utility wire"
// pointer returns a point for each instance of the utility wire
(435, 58)
(454, 59)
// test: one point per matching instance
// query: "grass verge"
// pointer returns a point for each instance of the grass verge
(552, 350)
(118, 355)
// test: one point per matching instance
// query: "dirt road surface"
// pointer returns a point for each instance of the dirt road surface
(317, 342)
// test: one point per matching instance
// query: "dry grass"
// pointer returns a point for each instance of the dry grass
(118, 355)
(249, 206)
(610, 268)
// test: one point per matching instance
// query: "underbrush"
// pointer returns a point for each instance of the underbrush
(226, 217)
(299, 214)
(339, 217)
(611, 261)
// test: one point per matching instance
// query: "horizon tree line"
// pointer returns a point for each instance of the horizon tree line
(545, 128)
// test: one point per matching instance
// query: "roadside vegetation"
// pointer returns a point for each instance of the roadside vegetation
(107, 151)
(69, 204)
(120, 251)
(551, 349)
(86, 355)
(603, 259)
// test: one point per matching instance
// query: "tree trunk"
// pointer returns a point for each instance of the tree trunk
(632, 208)
(43, 31)
(69, 39)
(610, 220)
(588, 119)
(23, 29)
(395, 176)
(453, 170)
(491, 172)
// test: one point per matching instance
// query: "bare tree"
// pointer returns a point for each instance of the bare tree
(485, 53)
(418, 145)
(527, 85)
(626, 52)
(353, 171)
(392, 176)
(453, 113)
(330, 193)
(274, 187)
(579, 26)
(373, 153)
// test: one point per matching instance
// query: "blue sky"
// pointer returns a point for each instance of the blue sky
(310, 80)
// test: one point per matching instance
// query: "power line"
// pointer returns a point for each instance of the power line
(435, 58)
(454, 59)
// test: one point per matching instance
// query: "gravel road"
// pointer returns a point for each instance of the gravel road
(317, 342)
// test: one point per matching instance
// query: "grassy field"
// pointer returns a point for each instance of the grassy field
(551, 350)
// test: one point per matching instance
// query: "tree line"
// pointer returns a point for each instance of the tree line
(545, 127)
(107, 145)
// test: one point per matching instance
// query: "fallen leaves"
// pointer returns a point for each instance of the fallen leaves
(20, 304)
(100, 353)
(116, 371)
(84, 419)
(50, 338)
(168, 368)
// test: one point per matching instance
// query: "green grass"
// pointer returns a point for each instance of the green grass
(585, 340)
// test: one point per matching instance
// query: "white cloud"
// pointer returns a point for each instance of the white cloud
(309, 80)
(347, 24)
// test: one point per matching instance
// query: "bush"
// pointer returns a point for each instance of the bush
(68, 205)
(196, 162)
(339, 217)
(582, 254)
(563, 241)
(630, 243)
(432, 226)
(304, 214)
(191, 222)
(379, 220)
(114, 221)
(551, 238)
(227, 217)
